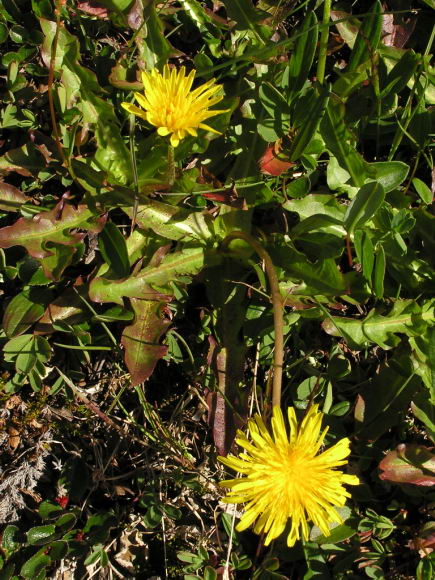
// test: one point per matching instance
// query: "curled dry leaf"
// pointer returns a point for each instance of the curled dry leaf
(413, 464)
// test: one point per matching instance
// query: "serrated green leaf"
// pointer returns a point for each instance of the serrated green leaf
(405, 317)
(174, 223)
(174, 266)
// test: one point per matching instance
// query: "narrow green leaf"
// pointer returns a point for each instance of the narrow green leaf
(365, 252)
(314, 115)
(364, 206)
(114, 250)
(298, 70)
(379, 273)
(368, 37)
(340, 141)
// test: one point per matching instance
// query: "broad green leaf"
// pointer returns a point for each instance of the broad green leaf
(141, 340)
(423, 190)
(364, 206)
(35, 565)
(68, 308)
(24, 310)
(405, 317)
(65, 522)
(390, 174)
(368, 37)
(58, 550)
(37, 349)
(322, 222)
(316, 203)
(40, 535)
(114, 250)
(340, 141)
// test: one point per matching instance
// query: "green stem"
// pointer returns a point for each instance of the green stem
(324, 37)
(134, 170)
(171, 166)
(277, 305)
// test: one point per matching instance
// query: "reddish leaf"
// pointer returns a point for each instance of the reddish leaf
(11, 198)
(52, 226)
(397, 33)
(93, 8)
(271, 163)
(409, 464)
(141, 339)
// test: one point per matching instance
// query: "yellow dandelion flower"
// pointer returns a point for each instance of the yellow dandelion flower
(169, 104)
(286, 477)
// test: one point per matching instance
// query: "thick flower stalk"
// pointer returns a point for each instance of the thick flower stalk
(169, 104)
(285, 476)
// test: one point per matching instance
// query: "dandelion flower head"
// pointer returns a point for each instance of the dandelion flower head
(169, 104)
(285, 476)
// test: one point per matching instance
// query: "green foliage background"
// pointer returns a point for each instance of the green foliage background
(131, 351)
